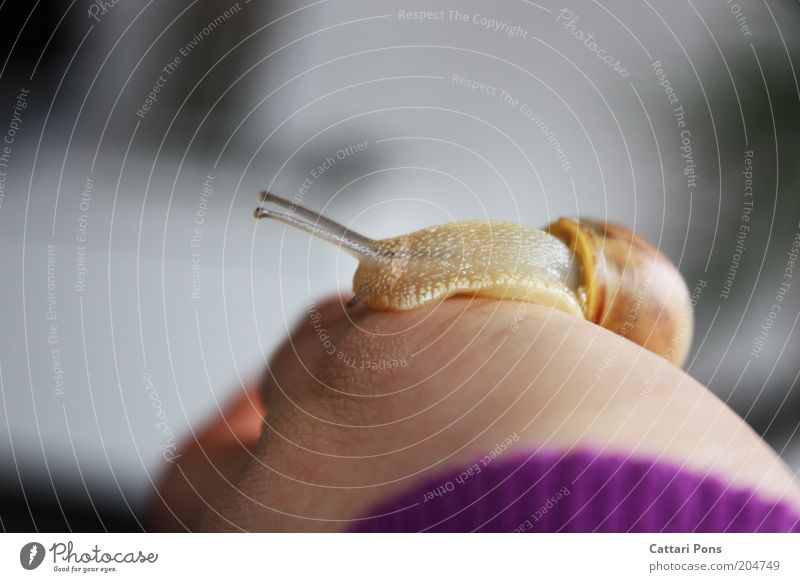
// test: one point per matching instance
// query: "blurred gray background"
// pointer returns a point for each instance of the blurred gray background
(139, 294)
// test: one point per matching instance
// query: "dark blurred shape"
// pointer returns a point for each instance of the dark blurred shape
(43, 512)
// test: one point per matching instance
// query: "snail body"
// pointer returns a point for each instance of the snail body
(500, 260)
(604, 273)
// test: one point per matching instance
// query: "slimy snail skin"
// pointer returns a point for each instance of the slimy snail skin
(602, 272)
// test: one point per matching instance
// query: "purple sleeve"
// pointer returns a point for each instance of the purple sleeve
(578, 491)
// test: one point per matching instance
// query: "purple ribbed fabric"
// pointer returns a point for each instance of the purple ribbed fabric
(580, 491)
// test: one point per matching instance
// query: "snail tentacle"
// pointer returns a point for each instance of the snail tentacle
(317, 225)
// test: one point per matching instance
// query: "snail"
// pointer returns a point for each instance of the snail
(604, 273)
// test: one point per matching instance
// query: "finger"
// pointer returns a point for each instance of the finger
(341, 437)
(207, 464)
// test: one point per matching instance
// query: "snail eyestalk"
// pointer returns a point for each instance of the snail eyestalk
(316, 225)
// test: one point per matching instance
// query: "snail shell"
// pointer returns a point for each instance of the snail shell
(629, 287)
(605, 273)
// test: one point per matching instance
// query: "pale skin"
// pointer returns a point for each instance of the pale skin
(338, 438)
